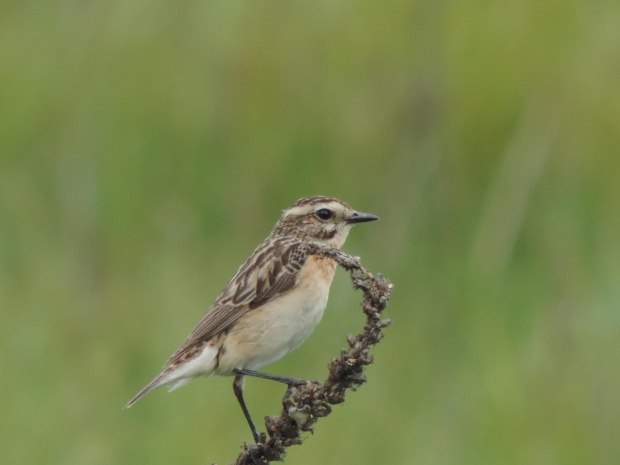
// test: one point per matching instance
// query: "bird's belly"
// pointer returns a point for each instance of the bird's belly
(268, 333)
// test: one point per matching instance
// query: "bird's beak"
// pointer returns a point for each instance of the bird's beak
(359, 217)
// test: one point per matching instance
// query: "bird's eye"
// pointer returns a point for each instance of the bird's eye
(323, 214)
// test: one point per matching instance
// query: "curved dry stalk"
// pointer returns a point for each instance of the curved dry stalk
(304, 405)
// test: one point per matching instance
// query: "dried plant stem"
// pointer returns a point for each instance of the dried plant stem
(304, 405)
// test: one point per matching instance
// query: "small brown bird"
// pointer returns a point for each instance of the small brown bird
(271, 304)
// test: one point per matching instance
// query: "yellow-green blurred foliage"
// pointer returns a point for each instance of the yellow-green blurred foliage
(147, 147)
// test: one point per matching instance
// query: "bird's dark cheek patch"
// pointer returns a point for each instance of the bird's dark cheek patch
(329, 234)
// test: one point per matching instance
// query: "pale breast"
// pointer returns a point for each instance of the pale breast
(266, 334)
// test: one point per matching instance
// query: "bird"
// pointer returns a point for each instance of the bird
(270, 306)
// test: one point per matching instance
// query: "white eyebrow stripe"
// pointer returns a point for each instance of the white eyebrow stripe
(298, 211)
(305, 209)
(335, 206)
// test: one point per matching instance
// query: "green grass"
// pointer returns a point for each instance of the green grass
(147, 147)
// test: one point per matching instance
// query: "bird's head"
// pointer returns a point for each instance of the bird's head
(324, 220)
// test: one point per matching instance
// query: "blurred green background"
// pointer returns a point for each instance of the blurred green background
(147, 147)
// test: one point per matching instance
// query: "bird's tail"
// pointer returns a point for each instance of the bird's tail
(157, 382)
(176, 376)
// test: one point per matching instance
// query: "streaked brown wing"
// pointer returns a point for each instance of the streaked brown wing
(270, 271)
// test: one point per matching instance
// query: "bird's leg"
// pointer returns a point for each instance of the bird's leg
(238, 389)
(290, 382)
(280, 379)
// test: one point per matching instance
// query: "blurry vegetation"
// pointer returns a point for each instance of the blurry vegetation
(147, 147)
